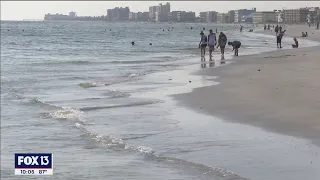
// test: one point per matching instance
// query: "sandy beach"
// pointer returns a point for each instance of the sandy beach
(277, 91)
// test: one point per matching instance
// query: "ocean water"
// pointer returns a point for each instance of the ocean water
(81, 91)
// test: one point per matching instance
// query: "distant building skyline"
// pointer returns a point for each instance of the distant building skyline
(15, 10)
(162, 13)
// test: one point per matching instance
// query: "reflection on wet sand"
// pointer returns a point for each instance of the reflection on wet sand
(212, 63)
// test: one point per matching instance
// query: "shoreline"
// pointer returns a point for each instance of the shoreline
(274, 90)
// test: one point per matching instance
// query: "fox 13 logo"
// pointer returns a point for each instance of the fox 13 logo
(33, 164)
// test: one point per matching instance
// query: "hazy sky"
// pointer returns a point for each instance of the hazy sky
(18, 10)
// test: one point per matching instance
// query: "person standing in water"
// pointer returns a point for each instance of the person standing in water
(279, 38)
(222, 41)
(203, 43)
(212, 41)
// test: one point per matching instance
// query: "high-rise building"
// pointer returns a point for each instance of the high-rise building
(152, 12)
(231, 16)
(264, 17)
(223, 17)
(72, 14)
(158, 12)
(186, 16)
(118, 14)
(203, 16)
(162, 17)
(211, 16)
(144, 16)
(132, 16)
(110, 14)
(296, 15)
(240, 15)
(173, 16)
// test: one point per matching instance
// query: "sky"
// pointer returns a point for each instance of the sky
(19, 10)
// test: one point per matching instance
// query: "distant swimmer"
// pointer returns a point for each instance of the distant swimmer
(191, 28)
(203, 44)
(22, 30)
(212, 41)
(222, 41)
(236, 45)
(110, 30)
(132, 43)
(150, 44)
(296, 43)
(162, 29)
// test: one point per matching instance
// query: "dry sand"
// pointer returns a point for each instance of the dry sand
(278, 91)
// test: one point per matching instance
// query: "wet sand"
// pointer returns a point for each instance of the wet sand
(277, 91)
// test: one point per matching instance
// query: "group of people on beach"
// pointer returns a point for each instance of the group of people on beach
(211, 42)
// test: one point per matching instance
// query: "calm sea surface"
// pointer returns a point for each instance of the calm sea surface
(81, 91)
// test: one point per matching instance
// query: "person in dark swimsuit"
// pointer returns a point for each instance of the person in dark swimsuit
(222, 41)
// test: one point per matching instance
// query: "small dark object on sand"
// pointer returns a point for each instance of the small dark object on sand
(170, 79)
(189, 81)
(259, 70)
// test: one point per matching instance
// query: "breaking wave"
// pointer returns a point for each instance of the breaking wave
(120, 105)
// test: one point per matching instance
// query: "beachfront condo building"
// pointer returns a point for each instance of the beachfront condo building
(211, 16)
(118, 14)
(223, 18)
(241, 14)
(208, 16)
(264, 17)
(182, 16)
(203, 16)
(231, 16)
(297, 16)
(158, 13)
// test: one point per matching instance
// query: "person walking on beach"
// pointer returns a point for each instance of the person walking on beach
(222, 41)
(241, 28)
(203, 43)
(212, 41)
(236, 45)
